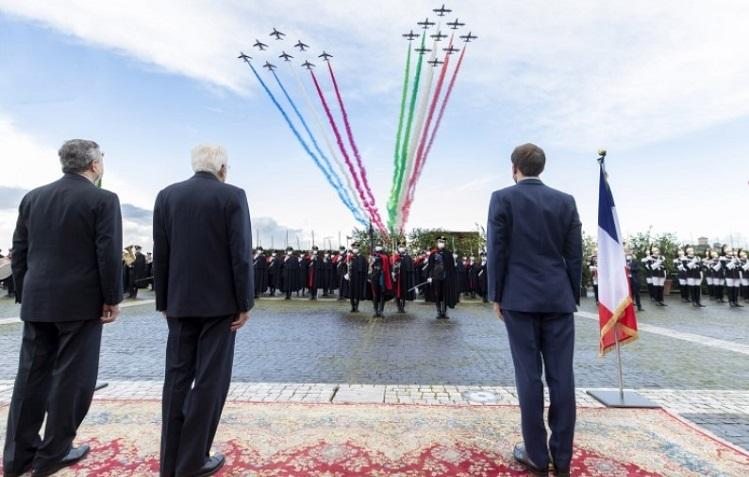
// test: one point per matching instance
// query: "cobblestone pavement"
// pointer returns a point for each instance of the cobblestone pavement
(319, 352)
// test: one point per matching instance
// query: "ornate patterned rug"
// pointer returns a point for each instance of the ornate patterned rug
(397, 440)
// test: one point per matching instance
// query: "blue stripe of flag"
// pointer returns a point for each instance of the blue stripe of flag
(606, 206)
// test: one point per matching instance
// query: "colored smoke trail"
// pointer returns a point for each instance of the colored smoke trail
(407, 206)
(324, 166)
(347, 159)
(420, 156)
(409, 124)
(350, 134)
(294, 130)
(398, 162)
(351, 192)
(410, 161)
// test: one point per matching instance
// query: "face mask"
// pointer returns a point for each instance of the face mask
(273, 255)
(378, 249)
(402, 249)
(288, 253)
(440, 246)
(629, 257)
(356, 250)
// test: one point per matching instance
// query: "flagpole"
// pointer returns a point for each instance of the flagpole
(619, 362)
(620, 399)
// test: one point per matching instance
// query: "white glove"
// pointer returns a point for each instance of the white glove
(346, 277)
(429, 280)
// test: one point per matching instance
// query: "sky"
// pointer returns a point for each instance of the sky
(663, 86)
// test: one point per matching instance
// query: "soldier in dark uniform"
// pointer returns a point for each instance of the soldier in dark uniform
(441, 278)
(339, 263)
(274, 273)
(482, 279)
(328, 274)
(304, 262)
(473, 277)
(461, 274)
(290, 269)
(403, 277)
(694, 276)
(315, 273)
(260, 265)
(381, 279)
(356, 276)
(633, 273)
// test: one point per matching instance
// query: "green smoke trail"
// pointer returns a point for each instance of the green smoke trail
(398, 161)
(406, 137)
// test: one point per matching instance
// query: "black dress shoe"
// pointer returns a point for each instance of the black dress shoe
(75, 455)
(8, 473)
(521, 456)
(211, 466)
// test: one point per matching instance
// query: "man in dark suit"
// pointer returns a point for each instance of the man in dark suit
(535, 270)
(67, 269)
(203, 280)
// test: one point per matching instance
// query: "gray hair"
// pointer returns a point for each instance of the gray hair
(209, 158)
(77, 154)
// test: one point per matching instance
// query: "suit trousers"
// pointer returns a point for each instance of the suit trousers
(56, 377)
(544, 343)
(199, 358)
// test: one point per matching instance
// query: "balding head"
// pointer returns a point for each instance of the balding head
(529, 160)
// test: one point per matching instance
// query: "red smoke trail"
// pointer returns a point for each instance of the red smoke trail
(350, 134)
(373, 214)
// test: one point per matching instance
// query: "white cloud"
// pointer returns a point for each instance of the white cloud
(29, 164)
(575, 72)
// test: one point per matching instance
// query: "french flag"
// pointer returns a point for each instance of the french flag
(616, 312)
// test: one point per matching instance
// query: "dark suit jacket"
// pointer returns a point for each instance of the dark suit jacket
(202, 262)
(534, 242)
(67, 251)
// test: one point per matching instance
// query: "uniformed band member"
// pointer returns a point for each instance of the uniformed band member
(380, 279)
(403, 277)
(633, 273)
(732, 276)
(441, 278)
(260, 265)
(356, 276)
(290, 273)
(657, 267)
(693, 265)
(718, 270)
(648, 276)
(681, 273)
(744, 275)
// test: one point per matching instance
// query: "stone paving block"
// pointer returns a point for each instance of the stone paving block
(360, 394)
